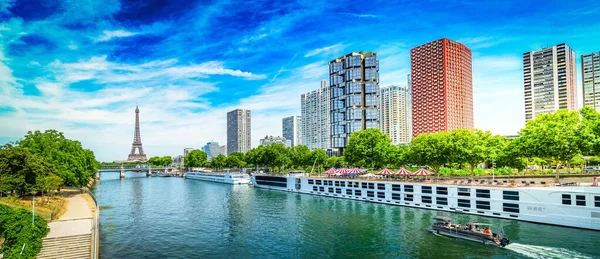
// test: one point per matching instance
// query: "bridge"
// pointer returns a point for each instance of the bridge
(139, 168)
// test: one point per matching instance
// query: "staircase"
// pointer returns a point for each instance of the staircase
(66, 247)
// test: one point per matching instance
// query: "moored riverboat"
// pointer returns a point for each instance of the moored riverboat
(472, 231)
(226, 177)
(573, 206)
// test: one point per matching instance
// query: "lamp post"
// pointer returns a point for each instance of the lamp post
(33, 210)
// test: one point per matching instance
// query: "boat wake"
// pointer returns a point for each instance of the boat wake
(544, 251)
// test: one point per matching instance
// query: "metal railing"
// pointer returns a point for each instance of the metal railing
(95, 226)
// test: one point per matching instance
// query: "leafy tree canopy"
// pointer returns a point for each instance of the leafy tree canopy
(195, 158)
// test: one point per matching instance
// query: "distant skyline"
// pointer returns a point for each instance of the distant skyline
(81, 67)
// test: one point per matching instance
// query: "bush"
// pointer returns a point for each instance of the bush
(479, 171)
(16, 229)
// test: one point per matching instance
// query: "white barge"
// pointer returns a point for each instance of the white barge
(218, 177)
(577, 207)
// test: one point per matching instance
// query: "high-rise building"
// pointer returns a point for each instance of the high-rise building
(396, 113)
(590, 73)
(442, 88)
(187, 150)
(354, 86)
(238, 131)
(213, 149)
(550, 80)
(291, 129)
(315, 118)
(268, 140)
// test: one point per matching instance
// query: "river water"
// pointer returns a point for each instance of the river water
(178, 218)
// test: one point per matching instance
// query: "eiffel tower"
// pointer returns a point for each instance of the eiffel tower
(137, 141)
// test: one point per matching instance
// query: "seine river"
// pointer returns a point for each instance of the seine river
(178, 218)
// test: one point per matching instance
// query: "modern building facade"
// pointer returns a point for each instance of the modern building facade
(315, 118)
(442, 88)
(238, 131)
(291, 129)
(187, 150)
(354, 86)
(213, 149)
(396, 116)
(268, 140)
(550, 80)
(590, 74)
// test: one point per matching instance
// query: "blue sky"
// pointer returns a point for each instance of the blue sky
(81, 66)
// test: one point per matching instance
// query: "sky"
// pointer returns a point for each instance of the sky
(81, 66)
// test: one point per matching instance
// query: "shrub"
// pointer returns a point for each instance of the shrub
(16, 229)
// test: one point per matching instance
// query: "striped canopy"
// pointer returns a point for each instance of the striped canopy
(330, 171)
(354, 171)
(342, 171)
(422, 171)
(403, 171)
(385, 171)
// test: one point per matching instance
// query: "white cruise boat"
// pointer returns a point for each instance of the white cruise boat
(218, 177)
(577, 207)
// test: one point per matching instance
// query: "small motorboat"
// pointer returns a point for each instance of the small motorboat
(473, 231)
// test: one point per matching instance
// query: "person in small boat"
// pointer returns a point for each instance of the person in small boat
(487, 232)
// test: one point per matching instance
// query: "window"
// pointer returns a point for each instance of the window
(566, 199)
(426, 189)
(330, 189)
(338, 190)
(381, 186)
(464, 203)
(396, 196)
(364, 185)
(325, 182)
(580, 200)
(315, 188)
(343, 184)
(484, 205)
(355, 184)
(426, 199)
(321, 189)
(348, 191)
(396, 187)
(370, 194)
(330, 183)
(337, 183)
(597, 201)
(510, 207)
(408, 188)
(482, 193)
(442, 190)
(408, 197)
(381, 195)
(464, 192)
(311, 181)
(357, 193)
(511, 195)
(318, 182)
(371, 186)
(441, 200)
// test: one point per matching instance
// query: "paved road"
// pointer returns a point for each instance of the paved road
(76, 220)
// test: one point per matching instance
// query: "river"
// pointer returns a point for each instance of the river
(160, 217)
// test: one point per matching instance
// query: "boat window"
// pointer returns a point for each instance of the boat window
(381, 195)
(408, 197)
(337, 183)
(425, 189)
(315, 188)
(511, 195)
(338, 190)
(330, 183)
(311, 181)
(370, 194)
(441, 200)
(408, 188)
(580, 200)
(325, 182)
(426, 199)
(464, 203)
(381, 186)
(356, 184)
(349, 191)
(395, 196)
(343, 184)
(321, 189)
(464, 192)
(566, 199)
(484, 205)
(357, 193)
(396, 187)
(330, 189)
(364, 185)
(318, 182)
(510, 207)
(597, 201)
(442, 190)
(482, 193)
(371, 186)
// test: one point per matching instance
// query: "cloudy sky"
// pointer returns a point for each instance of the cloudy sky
(82, 66)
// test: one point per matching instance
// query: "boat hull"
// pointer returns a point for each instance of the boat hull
(225, 180)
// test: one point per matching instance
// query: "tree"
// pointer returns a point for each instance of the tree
(300, 156)
(474, 147)
(195, 158)
(589, 131)
(511, 155)
(166, 160)
(431, 149)
(155, 161)
(21, 170)
(318, 157)
(368, 147)
(74, 164)
(554, 137)
(219, 162)
(275, 156)
(236, 160)
(255, 156)
(47, 183)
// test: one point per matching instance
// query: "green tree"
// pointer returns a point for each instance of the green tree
(236, 160)
(21, 170)
(276, 156)
(300, 156)
(47, 183)
(474, 147)
(589, 131)
(255, 156)
(512, 156)
(553, 137)
(74, 164)
(368, 148)
(195, 158)
(155, 161)
(431, 149)
(219, 162)
(319, 158)
(166, 160)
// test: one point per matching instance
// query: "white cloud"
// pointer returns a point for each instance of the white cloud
(108, 35)
(326, 50)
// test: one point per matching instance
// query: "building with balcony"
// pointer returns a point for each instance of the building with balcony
(590, 74)
(238, 131)
(315, 122)
(396, 117)
(291, 129)
(268, 140)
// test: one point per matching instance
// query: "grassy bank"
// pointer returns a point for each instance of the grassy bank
(44, 206)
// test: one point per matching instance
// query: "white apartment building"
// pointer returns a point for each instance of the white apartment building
(396, 114)
(590, 74)
(291, 129)
(315, 122)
